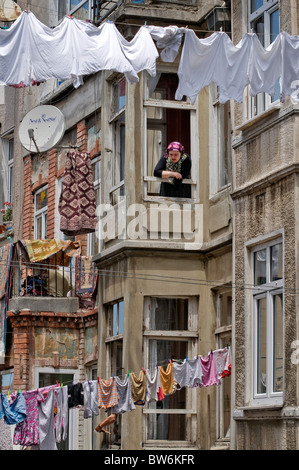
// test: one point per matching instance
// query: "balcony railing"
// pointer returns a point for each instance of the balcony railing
(42, 279)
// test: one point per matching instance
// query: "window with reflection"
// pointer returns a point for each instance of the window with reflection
(40, 213)
(264, 21)
(268, 321)
(170, 333)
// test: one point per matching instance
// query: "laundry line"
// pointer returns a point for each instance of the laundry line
(75, 49)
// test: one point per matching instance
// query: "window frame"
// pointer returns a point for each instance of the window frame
(41, 214)
(71, 11)
(223, 331)
(8, 166)
(164, 104)
(190, 336)
(91, 238)
(111, 339)
(266, 291)
(217, 162)
(118, 121)
(73, 421)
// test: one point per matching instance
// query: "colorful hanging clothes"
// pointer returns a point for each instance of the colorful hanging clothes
(189, 373)
(125, 401)
(14, 412)
(57, 251)
(153, 386)
(107, 393)
(209, 370)
(138, 385)
(166, 378)
(26, 433)
(86, 281)
(223, 362)
(77, 202)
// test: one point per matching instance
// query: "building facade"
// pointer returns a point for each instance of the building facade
(177, 277)
(265, 153)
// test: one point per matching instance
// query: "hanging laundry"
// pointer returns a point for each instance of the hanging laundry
(77, 202)
(168, 39)
(223, 362)
(125, 400)
(107, 393)
(166, 378)
(153, 386)
(5, 436)
(188, 373)
(90, 391)
(290, 67)
(75, 395)
(209, 370)
(47, 439)
(141, 51)
(86, 281)
(138, 385)
(14, 412)
(61, 418)
(26, 433)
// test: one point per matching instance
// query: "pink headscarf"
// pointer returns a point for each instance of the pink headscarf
(177, 146)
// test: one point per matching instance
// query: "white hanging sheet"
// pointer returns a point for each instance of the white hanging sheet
(31, 52)
(217, 60)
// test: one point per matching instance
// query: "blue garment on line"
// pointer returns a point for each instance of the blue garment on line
(13, 413)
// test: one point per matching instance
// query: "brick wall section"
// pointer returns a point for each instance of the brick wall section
(28, 199)
(21, 359)
(52, 199)
(82, 136)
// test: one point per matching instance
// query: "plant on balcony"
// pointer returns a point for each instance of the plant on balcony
(7, 212)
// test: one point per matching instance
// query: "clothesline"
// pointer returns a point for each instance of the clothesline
(40, 416)
(31, 52)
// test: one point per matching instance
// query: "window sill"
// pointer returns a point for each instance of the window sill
(256, 119)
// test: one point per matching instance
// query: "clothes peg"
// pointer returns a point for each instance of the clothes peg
(227, 346)
(145, 23)
(143, 370)
(128, 373)
(186, 358)
(170, 361)
(98, 379)
(18, 391)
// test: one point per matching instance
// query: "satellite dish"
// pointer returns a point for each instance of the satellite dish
(42, 128)
(9, 10)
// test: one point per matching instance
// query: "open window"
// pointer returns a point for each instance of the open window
(166, 120)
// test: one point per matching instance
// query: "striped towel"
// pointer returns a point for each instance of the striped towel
(107, 393)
